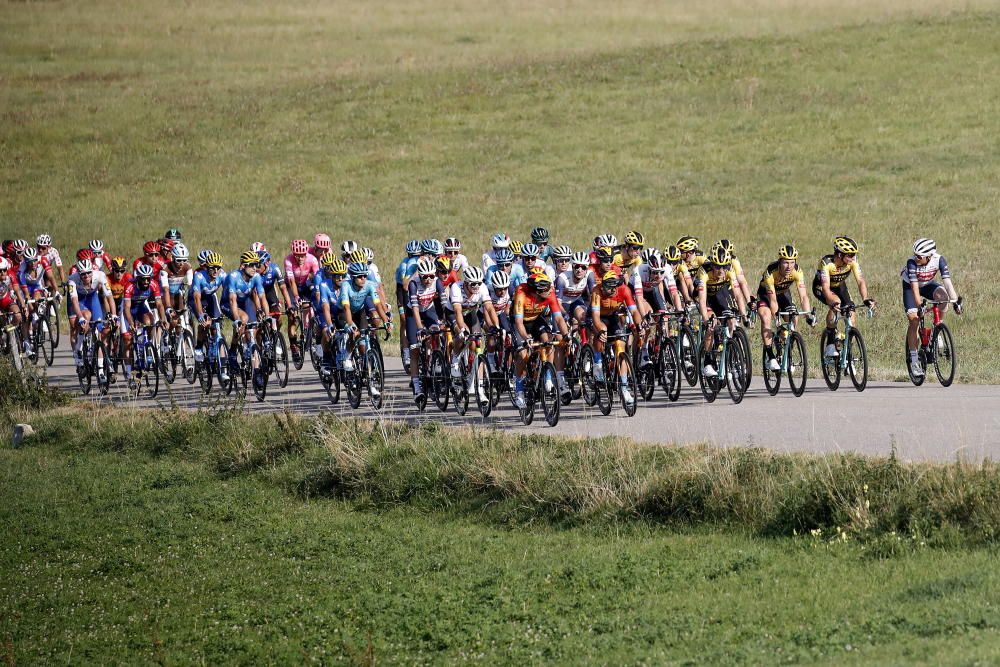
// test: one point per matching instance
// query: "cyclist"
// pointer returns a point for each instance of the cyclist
(359, 299)
(453, 248)
(573, 287)
(243, 298)
(774, 296)
(118, 279)
(716, 288)
(531, 260)
(321, 246)
(173, 234)
(741, 278)
(150, 257)
(445, 274)
(404, 271)
(102, 260)
(347, 248)
(175, 280)
(631, 254)
(603, 241)
(603, 260)
(300, 268)
(505, 264)
(500, 241)
(424, 311)
(203, 300)
(918, 282)
(540, 237)
(534, 302)
(656, 278)
(606, 319)
(468, 306)
(135, 306)
(11, 301)
(275, 291)
(166, 248)
(45, 249)
(35, 276)
(89, 299)
(681, 275)
(329, 314)
(829, 285)
(499, 286)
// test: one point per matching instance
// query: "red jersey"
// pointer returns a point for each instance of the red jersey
(529, 305)
(118, 286)
(449, 279)
(157, 265)
(134, 292)
(606, 305)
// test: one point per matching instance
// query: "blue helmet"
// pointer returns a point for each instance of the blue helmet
(432, 247)
(357, 269)
(413, 248)
(504, 255)
(264, 255)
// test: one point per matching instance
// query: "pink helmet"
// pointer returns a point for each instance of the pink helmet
(322, 241)
(299, 247)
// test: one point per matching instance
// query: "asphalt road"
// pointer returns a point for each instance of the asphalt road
(928, 423)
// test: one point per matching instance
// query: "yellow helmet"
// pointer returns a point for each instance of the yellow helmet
(214, 260)
(356, 256)
(672, 254)
(846, 245)
(250, 257)
(788, 251)
(442, 264)
(338, 267)
(687, 243)
(635, 238)
(516, 247)
(719, 256)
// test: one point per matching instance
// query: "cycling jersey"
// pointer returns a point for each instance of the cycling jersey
(529, 305)
(117, 287)
(593, 279)
(7, 298)
(423, 297)
(712, 285)
(469, 303)
(649, 279)
(626, 264)
(326, 292)
(301, 271)
(696, 261)
(604, 305)
(52, 257)
(773, 280)
(207, 287)
(136, 296)
(157, 265)
(33, 278)
(175, 278)
(373, 274)
(501, 299)
(489, 260)
(924, 275)
(517, 275)
(837, 276)
(568, 289)
(355, 298)
(88, 297)
(271, 276)
(459, 262)
(237, 283)
(406, 270)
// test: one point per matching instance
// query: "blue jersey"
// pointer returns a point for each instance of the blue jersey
(517, 275)
(406, 270)
(271, 276)
(238, 284)
(205, 286)
(354, 298)
(545, 253)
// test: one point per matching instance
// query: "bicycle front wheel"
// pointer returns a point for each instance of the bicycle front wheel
(857, 360)
(53, 323)
(736, 370)
(280, 361)
(585, 372)
(830, 364)
(439, 372)
(151, 373)
(46, 345)
(376, 379)
(943, 347)
(482, 385)
(689, 356)
(185, 349)
(549, 386)
(740, 336)
(258, 373)
(798, 368)
(102, 368)
(628, 385)
(709, 385)
(670, 371)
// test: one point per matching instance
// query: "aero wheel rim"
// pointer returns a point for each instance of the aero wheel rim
(857, 360)
(944, 355)
(798, 366)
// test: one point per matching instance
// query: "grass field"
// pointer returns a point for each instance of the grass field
(764, 122)
(185, 548)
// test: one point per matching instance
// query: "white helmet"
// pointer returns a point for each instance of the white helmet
(500, 240)
(4, 264)
(473, 274)
(180, 252)
(451, 243)
(347, 247)
(257, 246)
(562, 252)
(369, 255)
(84, 266)
(97, 246)
(500, 280)
(44, 240)
(425, 266)
(581, 258)
(924, 247)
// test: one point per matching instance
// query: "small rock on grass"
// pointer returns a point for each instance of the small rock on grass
(21, 433)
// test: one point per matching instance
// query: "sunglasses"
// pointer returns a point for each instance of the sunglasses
(453, 253)
(504, 265)
(426, 276)
(635, 248)
(117, 270)
(473, 285)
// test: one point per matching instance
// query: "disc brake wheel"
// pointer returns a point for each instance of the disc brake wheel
(798, 365)
(830, 365)
(857, 360)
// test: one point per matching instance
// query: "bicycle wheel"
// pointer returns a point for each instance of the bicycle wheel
(798, 365)
(689, 356)
(670, 372)
(221, 367)
(857, 360)
(439, 372)
(13, 345)
(646, 376)
(52, 315)
(831, 365)
(185, 355)
(238, 371)
(280, 360)
(709, 385)
(549, 394)
(83, 371)
(331, 383)
(740, 336)
(354, 379)
(943, 349)
(295, 343)
(204, 372)
(527, 413)
(736, 370)
(459, 387)
(604, 390)
(482, 384)
(585, 371)
(102, 368)
(168, 357)
(258, 372)
(315, 356)
(376, 379)
(151, 374)
(627, 380)
(46, 345)
(772, 379)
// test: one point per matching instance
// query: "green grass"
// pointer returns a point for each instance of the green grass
(152, 556)
(123, 120)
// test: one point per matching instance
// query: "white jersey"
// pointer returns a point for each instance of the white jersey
(489, 259)
(374, 274)
(650, 279)
(500, 299)
(568, 289)
(172, 283)
(98, 284)
(459, 263)
(53, 256)
(469, 303)
(922, 275)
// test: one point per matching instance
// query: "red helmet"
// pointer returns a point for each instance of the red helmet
(166, 245)
(85, 253)
(150, 248)
(322, 241)
(299, 247)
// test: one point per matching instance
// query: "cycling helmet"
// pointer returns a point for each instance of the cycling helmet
(473, 274)
(357, 269)
(785, 252)
(44, 240)
(635, 238)
(581, 259)
(5, 265)
(442, 264)
(143, 271)
(728, 245)
(150, 248)
(85, 253)
(610, 280)
(413, 248)
(432, 247)
(166, 246)
(500, 280)
(299, 247)
(338, 267)
(425, 267)
(30, 255)
(504, 255)
(657, 263)
(328, 260)
(605, 254)
(84, 266)
(687, 243)
(562, 252)
(540, 235)
(119, 263)
(173, 234)
(500, 240)
(719, 256)
(846, 245)
(322, 241)
(250, 257)
(369, 255)
(180, 253)
(97, 246)
(347, 247)
(609, 240)
(355, 256)
(672, 254)
(648, 254)
(20, 246)
(539, 281)
(451, 244)
(203, 256)
(516, 247)
(213, 260)
(924, 247)
(257, 246)
(530, 250)
(264, 256)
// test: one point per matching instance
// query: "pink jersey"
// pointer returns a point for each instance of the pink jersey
(301, 272)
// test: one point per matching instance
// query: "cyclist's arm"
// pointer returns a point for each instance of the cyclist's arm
(804, 296)
(490, 314)
(832, 299)
(703, 303)
(946, 279)
(595, 312)
(109, 300)
(199, 310)
(519, 315)
(862, 284)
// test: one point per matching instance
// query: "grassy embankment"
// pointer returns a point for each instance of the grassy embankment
(182, 537)
(277, 120)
